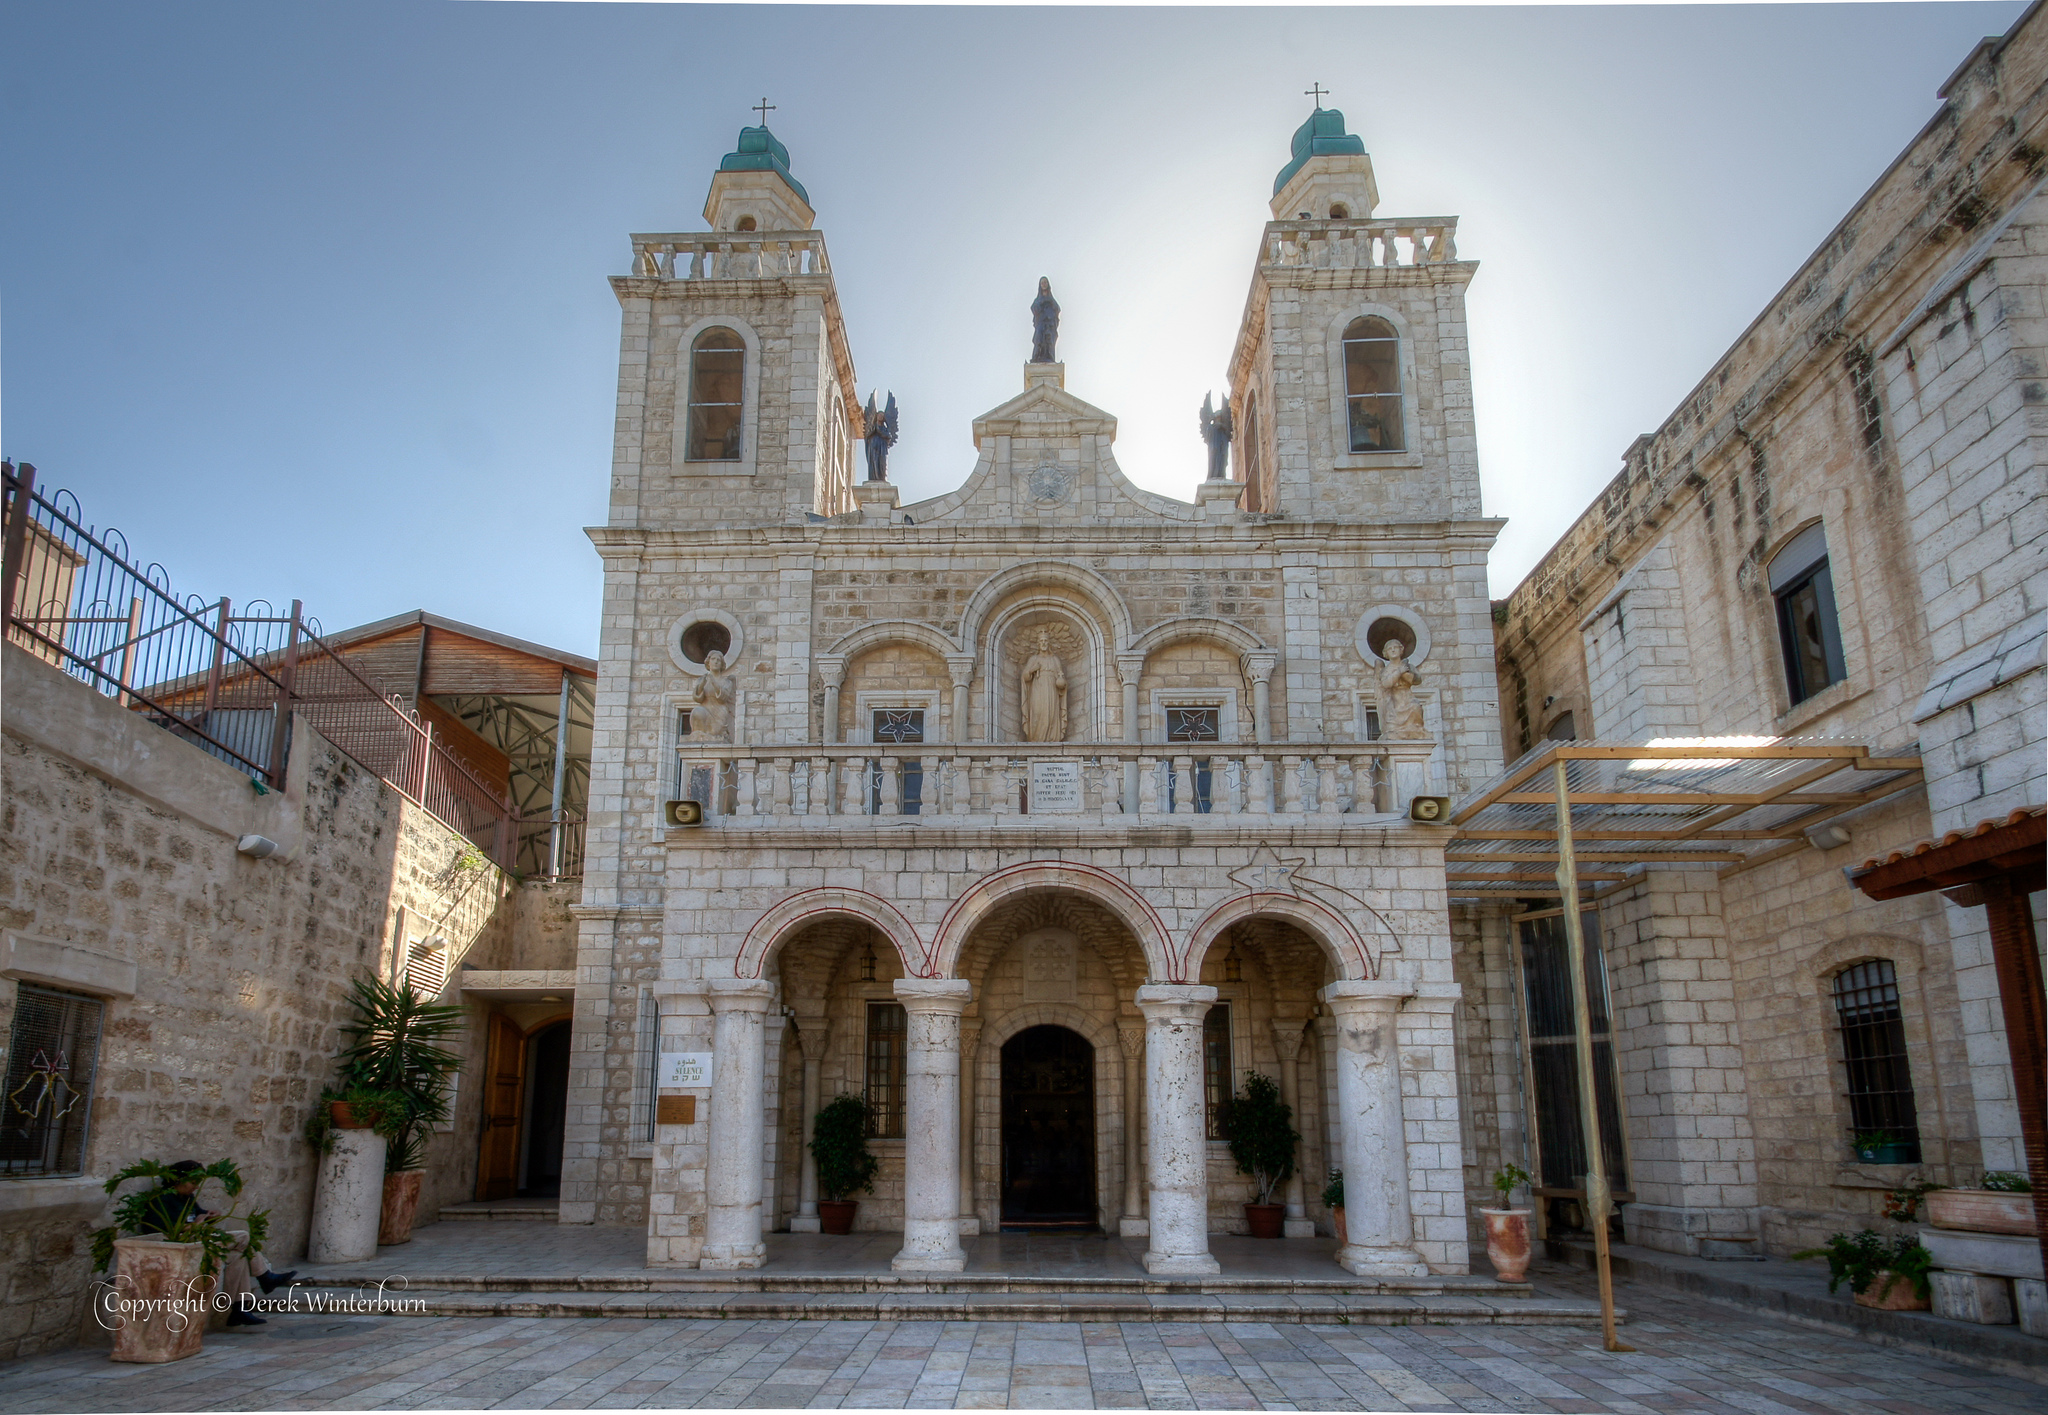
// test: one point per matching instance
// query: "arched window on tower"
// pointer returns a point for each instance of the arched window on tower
(1804, 589)
(1254, 457)
(718, 367)
(1372, 385)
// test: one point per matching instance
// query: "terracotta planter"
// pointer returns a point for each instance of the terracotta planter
(1981, 1211)
(344, 1116)
(1337, 1219)
(836, 1215)
(1507, 1243)
(401, 1206)
(1265, 1220)
(1888, 1292)
(158, 1304)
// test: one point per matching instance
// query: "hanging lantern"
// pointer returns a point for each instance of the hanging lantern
(867, 965)
(1233, 971)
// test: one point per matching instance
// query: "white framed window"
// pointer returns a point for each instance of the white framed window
(1165, 703)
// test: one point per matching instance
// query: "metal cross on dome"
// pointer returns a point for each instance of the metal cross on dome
(764, 108)
(1315, 91)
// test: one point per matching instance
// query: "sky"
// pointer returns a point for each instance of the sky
(310, 300)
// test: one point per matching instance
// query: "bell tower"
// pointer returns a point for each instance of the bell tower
(1351, 382)
(736, 400)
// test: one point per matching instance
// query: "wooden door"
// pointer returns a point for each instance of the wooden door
(1048, 1130)
(497, 1166)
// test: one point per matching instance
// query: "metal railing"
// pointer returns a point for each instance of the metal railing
(228, 683)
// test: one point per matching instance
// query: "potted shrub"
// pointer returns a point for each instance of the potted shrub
(167, 1258)
(1882, 1147)
(1333, 1200)
(1259, 1127)
(1890, 1276)
(396, 1051)
(2002, 1203)
(1507, 1227)
(839, 1146)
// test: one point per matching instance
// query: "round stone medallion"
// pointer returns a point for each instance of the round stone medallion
(1050, 483)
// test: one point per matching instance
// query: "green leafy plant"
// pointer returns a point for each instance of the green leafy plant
(1260, 1129)
(1333, 1192)
(1860, 1259)
(2006, 1181)
(395, 1069)
(839, 1144)
(163, 1210)
(1506, 1180)
(1902, 1203)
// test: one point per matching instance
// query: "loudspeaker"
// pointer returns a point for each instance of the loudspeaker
(683, 812)
(1430, 810)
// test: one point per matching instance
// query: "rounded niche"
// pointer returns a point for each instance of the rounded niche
(1392, 621)
(695, 636)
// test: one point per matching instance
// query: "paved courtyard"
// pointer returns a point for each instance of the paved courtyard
(1693, 1357)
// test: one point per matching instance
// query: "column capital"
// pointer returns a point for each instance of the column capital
(1373, 995)
(740, 994)
(1287, 1034)
(946, 995)
(831, 669)
(1130, 1035)
(1258, 664)
(1175, 1002)
(1129, 667)
(960, 668)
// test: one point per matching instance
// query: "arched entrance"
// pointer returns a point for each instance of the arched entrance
(1048, 1171)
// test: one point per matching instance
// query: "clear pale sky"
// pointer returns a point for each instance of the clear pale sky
(310, 299)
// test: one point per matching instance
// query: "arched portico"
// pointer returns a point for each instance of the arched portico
(989, 893)
(787, 917)
(1349, 954)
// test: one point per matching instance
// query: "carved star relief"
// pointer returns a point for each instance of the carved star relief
(1268, 873)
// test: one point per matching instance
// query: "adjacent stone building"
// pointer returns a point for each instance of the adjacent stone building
(1840, 532)
(1039, 812)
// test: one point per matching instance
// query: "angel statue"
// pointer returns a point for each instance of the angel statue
(1217, 428)
(1400, 714)
(880, 435)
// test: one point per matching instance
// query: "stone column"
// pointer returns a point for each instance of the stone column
(960, 668)
(1259, 668)
(348, 1195)
(1287, 1046)
(1128, 669)
(1374, 1145)
(1130, 1036)
(931, 1146)
(733, 1167)
(812, 1034)
(970, 1038)
(1179, 1225)
(831, 672)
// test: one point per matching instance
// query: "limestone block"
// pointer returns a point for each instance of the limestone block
(2030, 1296)
(1973, 1297)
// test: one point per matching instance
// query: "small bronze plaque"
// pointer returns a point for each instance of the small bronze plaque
(675, 1110)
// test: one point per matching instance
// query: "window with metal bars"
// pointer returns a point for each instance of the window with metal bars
(1216, 1070)
(1554, 1055)
(1873, 1028)
(718, 362)
(888, 1039)
(52, 1056)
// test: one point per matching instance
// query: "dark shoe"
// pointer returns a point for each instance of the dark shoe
(246, 1319)
(273, 1280)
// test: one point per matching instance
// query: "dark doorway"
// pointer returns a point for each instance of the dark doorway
(1048, 1130)
(547, 1112)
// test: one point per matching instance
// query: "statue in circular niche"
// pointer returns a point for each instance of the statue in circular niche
(1044, 693)
(1400, 714)
(711, 702)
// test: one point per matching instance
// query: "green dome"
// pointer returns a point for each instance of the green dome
(760, 152)
(1322, 133)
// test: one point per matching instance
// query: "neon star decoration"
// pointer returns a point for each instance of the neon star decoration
(49, 1078)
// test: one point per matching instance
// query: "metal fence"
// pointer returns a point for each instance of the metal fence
(228, 683)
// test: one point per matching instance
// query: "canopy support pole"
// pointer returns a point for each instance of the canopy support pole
(1599, 1203)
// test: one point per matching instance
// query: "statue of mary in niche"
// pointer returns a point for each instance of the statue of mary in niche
(1044, 693)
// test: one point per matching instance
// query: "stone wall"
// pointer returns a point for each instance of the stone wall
(119, 839)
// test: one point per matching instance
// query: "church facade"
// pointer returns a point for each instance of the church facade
(1038, 813)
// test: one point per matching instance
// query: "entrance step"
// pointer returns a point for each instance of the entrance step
(504, 1211)
(1064, 1305)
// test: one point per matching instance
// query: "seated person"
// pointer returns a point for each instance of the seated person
(173, 1203)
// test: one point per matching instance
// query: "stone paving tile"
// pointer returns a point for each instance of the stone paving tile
(1694, 1359)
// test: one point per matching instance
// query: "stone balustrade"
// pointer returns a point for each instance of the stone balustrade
(741, 785)
(1350, 245)
(730, 255)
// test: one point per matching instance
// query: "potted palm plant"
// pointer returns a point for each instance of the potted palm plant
(1507, 1227)
(396, 1050)
(839, 1146)
(1891, 1277)
(167, 1254)
(1259, 1127)
(1333, 1200)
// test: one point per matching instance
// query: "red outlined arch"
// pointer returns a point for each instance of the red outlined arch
(783, 918)
(1355, 961)
(986, 894)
